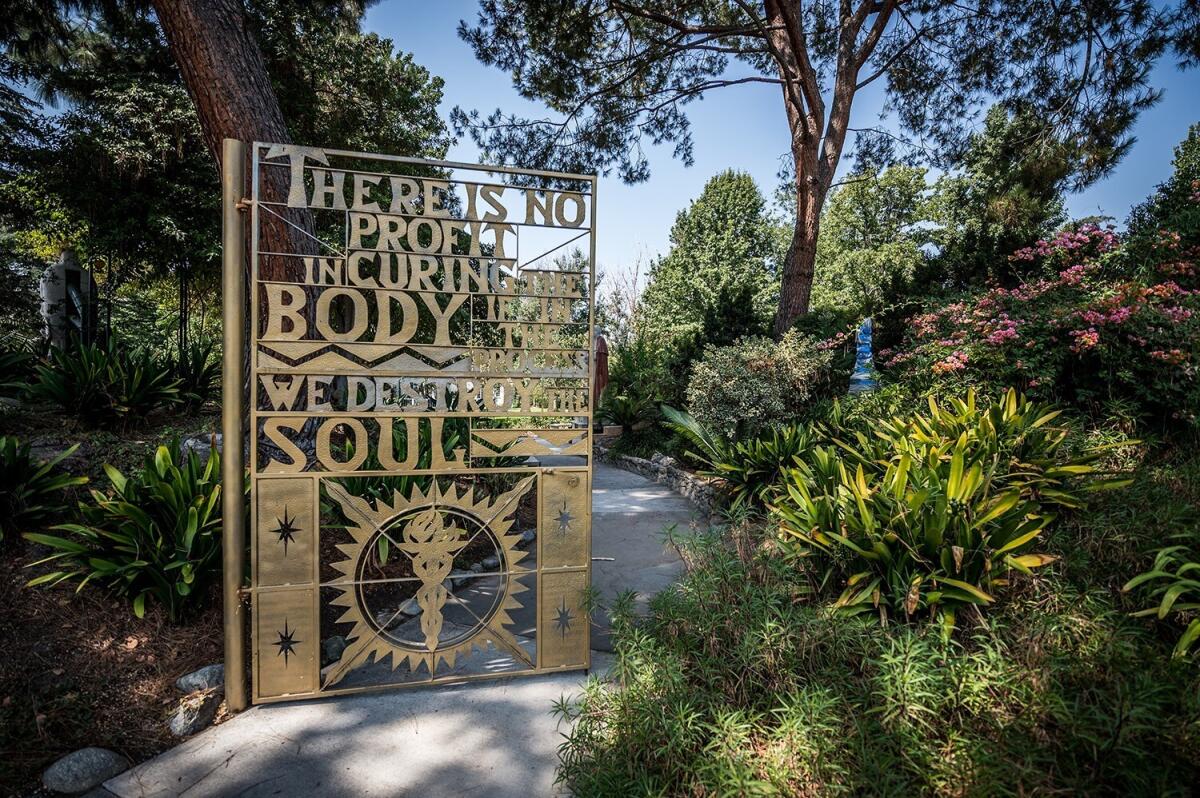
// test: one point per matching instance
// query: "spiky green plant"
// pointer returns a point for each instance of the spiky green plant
(155, 536)
(30, 490)
(934, 511)
(1173, 584)
(105, 384)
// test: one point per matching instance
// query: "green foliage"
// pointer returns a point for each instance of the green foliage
(869, 249)
(736, 684)
(344, 88)
(16, 366)
(722, 246)
(739, 390)
(1009, 193)
(30, 491)
(1173, 582)
(933, 512)
(716, 285)
(197, 371)
(1173, 205)
(753, 468)
(625, 410)
(105, 384)
(154, 537)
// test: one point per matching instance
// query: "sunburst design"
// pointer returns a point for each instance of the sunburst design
(426, 527)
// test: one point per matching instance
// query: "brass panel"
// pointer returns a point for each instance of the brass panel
(565, 527)
(287, 643)
(286, 531)
(562, 620)
(529, 442)
(374, 346)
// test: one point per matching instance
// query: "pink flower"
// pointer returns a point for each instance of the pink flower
(1173, 356)
(1085, 339)
(955, 361)
(1176, 314)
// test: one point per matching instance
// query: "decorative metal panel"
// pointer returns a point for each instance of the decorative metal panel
(420, 420)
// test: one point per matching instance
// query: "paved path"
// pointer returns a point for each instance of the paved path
(493, 739)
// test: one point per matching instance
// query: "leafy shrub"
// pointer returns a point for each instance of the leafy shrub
(740, 390)
(156, 536)
(1099, 320)
(16, 366)
(197, 371)
(737, 685)
(105, 384)
(750, 468)
(30, 491)
(1174, 583)
(933, 511)
(625, 410)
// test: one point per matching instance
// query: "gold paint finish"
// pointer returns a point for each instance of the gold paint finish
(286, 651)
(233, 531)
(563, 623)
(565, 527)
(390, 350)
(286, 531)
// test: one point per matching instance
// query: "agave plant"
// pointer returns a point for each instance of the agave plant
(627, 410)
(154, 537)
(752, 468)
(105, 384)
(1174, 583)
(197, 371)
(30, 491)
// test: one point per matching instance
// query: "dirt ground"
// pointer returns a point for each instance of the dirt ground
(79, 669)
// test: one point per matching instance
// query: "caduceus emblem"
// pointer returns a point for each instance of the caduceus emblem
(431, 544)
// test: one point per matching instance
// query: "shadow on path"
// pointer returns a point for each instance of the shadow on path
(495, 739)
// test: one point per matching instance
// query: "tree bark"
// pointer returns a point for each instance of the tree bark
(224, 70)
(226, 74)
(798, 266)
(817, 141)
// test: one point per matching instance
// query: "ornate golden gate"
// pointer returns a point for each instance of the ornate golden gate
(420, 413)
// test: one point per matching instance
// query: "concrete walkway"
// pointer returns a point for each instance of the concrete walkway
(493, 739)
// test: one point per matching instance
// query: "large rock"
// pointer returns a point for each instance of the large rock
(332, 649)
(205, 678)
(201, 445)
(195, 712)
(82, 770)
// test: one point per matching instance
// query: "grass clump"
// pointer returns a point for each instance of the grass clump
(741, 682)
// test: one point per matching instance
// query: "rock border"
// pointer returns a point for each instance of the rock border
(701, 492)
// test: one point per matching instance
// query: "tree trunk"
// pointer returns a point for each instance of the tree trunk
(224, 70)
(226, 75)
(795, 286)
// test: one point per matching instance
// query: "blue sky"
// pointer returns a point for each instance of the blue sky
(740, 127)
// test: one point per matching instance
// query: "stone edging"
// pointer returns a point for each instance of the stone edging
(666, 471)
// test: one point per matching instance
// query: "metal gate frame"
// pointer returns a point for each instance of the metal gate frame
(430, 524)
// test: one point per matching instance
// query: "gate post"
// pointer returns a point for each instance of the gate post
(233, 537)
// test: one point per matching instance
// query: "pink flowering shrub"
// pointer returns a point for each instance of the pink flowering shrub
(1091, 329)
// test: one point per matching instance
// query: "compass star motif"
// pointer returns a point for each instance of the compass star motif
(287, 642)
(563, 619)
(564, 519)
(286, 531)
